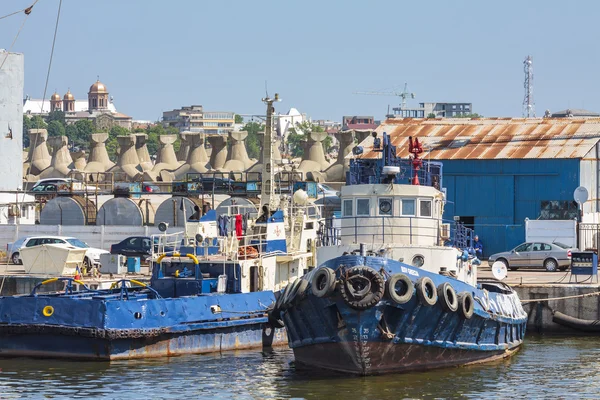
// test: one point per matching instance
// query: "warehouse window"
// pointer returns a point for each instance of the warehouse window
(558, 209)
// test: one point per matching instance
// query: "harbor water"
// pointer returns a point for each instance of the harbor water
(546, 367)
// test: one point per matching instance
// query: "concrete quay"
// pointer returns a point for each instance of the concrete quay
(539, 284)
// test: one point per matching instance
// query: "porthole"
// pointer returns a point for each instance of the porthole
(418, 261)
(385, 206)
(137, 315)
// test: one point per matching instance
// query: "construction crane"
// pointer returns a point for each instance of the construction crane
(405, 94)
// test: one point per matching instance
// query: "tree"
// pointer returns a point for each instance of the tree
(431, 115)
(55, 128)
(238, 119)
(117, 130)
(38, 122)
(56, 115)
(81, 137)
(72, 133)
(327, 142)
(253, 145)
(26, 127)
(298, 135)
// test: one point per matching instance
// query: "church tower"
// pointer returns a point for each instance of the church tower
(98, 96)
(69, 102)
(55, 102)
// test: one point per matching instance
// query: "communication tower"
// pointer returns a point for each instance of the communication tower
(528, 103)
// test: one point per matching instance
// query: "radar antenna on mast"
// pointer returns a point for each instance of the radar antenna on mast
(528, 103)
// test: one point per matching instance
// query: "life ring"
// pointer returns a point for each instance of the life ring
(322, 283)
(48, 311)
(401, 294)
(447, 294)
(426, 291)
(363, 287)
(466, 305)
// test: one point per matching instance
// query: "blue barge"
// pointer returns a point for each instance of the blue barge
(396, 289)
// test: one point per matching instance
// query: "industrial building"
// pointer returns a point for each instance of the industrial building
(499, 171)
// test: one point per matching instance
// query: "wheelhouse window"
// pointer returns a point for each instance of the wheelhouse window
(408, 207)
(347, 208)
(385, 206)
(425, 208)
(363, 207)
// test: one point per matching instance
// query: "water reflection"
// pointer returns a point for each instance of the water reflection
(546, 367)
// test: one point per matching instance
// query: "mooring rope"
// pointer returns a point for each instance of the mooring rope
(579, 296)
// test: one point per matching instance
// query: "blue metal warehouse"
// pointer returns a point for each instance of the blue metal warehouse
(499, 171)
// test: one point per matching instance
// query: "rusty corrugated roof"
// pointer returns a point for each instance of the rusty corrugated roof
(491, 138)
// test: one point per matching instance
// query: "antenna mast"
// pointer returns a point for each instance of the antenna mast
(267, 194)
(528, 104)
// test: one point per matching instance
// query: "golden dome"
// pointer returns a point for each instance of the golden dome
(69, 96)
(55, 97)
(98, 87)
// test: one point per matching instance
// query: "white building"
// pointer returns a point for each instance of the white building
(14, 208)
(289, 120)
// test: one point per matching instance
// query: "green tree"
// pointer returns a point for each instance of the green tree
(81, 137)
(38, 122)
(253, 145)
(117, 131)
(26, 127)
(431, 115)
(55, 128)
(57, 115)
(327, 143)
(72, 133)
(298, 135)
(238, 119)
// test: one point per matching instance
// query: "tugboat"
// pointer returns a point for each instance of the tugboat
(397, 291)
(218, 300)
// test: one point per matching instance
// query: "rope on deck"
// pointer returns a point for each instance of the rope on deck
(560, 298)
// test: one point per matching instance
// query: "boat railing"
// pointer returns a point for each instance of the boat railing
(394, 229)
(167, 242)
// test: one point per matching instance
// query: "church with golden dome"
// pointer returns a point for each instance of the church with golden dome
(98, 107)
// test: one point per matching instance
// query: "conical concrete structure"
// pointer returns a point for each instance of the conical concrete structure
(313, 158)
(128, 161)
(79, 160)
(197, 161)
(98, 160)
(337, 171)
(142, 151)
(166, 159)
(184, 148)
(39, 157)
(218, 155)
(62, 163)
(237, 159)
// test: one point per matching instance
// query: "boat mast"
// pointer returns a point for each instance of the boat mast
(267, 194)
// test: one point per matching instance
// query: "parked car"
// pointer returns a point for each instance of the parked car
(62, 184)
(326, 190)
(92, 255)
(552, 256)
(137, 246)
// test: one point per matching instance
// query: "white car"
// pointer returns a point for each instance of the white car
(92, 255)
(326, 190)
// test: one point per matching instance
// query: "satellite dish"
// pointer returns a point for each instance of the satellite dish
(199, 238)
(580, 195)
(163, 226)
(499, 270)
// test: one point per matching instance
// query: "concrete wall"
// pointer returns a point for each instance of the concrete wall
(540, 314)
(11, 121)
(101, 236)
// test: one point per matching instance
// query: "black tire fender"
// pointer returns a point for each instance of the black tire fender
(447, 296)
(275, 320)
(426, 291)
(299, 291)
(287, 297)
(407, 288)
(466, 305)
(322, 283)
(362, 287)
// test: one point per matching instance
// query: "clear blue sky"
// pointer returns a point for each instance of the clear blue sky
(158, 55)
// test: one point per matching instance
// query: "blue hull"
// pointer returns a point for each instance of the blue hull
(326, 332)
(109, 328)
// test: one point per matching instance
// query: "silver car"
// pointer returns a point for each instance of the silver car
(552, 256)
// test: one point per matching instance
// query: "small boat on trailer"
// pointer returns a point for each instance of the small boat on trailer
(389, 295)
(213, 295)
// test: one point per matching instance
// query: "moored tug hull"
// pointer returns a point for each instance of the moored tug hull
(411, 331)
